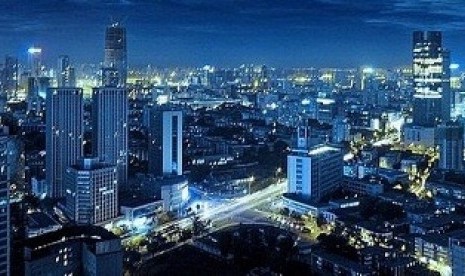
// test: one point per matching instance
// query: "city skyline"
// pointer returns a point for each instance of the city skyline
(232, 137)
(322, 33)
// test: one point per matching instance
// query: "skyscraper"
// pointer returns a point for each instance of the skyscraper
(4, 209)
(110, 128)
(432, 100)
(116, 52)
(10, 76)
(64, 134)
(449, 137)
(35, 61)
(91, 191)
(65, 72)
(165, 141)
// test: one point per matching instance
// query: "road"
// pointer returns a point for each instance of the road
(228, 209)
(221, 215)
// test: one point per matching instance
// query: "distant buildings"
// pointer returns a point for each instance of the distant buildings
(65, 73)
(78, 250)
(10, 77)
(116, 52)
(314, 173)
(110, 128)
(457, 254)
(64, 135)
(35, 61)
(432, 100)
(450, 140)
(165, 141)
(91, 192)
(5, 228)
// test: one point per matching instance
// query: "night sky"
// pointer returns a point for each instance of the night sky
(282, 33)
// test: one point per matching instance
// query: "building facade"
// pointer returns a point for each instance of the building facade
(110, 128)
(78, 250)
(432, 101)
(5, 246)
(91, 192)
(64, 135)
(175, 195)
(116, 52)
(10, 77)
(65, 73)
(449, 137)
(165, 141)
(314, 173)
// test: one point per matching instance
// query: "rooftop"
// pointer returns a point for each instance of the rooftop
(319, 150)
(82, 232)
(40, 220)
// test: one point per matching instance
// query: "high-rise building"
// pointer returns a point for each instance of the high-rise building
(110, 128)
(449, 137)
(91, 191)
(65, 72)
(35, 61)
(10, 77)
(5, 247)
(432, 100)
(165, 141)
(116, 52)
(64, 135)
(457, 253)
(314, 173)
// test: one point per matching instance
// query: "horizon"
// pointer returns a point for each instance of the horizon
(192, 33)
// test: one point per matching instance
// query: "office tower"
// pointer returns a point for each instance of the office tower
(65, 73)
(64, 135)
(314, 173)
(432, 100)
(10, 77)
(457, 253)
(4, 208)
(116, 52)
(74, 250)
(110, 128)
(165, 141)
(449, 137)
(35, 61)
(91, 191)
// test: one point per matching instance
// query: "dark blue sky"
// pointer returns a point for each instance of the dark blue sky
(230, 32)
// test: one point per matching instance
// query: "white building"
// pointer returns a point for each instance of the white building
(316, 172)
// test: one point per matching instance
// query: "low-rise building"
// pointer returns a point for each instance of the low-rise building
(79, 250)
